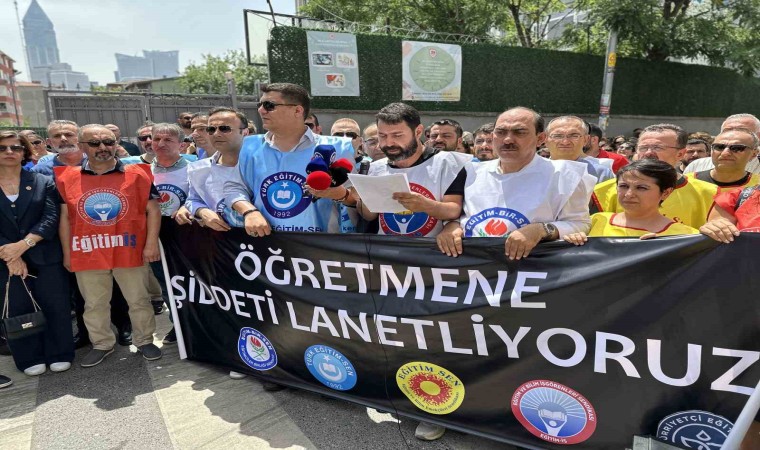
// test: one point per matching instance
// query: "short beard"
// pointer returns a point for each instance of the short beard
(405, 152)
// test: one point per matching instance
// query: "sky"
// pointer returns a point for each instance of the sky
(89, 32)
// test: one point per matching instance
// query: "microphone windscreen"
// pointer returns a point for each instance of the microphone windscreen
(324, 152)
(316, 165)
(340, 170)
(319, 180)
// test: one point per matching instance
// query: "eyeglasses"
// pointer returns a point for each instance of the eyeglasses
(187, 139)
(562, 137)
(13, 148)
(270, 106)
(106, 142)
(654, 148)
(734, 148)
(143, 138)
(350, 134)
(36, 142)
(310, 125)
(222, 128)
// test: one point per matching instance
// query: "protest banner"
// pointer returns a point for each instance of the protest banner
(573, 345)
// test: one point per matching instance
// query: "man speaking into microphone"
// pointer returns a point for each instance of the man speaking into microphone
(270, 189)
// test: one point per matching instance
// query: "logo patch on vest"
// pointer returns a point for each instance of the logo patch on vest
(283, 195)
(407, 223)
(171, 198)
(102, 206)
(494, 222)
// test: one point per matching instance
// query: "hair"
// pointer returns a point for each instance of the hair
(168, 128)
(743, 116)
(745, 131)
(60, 123)
(664, 174)
(539, 123)
(292, 93)
(221, 109)
(91, 126)
(681, 136)
(346, 120)
(699, 142)
(452, 123)
(583, 123)
(594, 130)
(486, 128)
(399, 112)
(200, 115)
(369, 128)
(28, 152)
(313, 116)
(702, 136)
(252, 128)
(144, 126)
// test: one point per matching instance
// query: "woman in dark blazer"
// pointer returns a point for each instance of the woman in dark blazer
(29, 245)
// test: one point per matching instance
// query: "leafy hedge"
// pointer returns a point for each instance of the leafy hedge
(496, 77)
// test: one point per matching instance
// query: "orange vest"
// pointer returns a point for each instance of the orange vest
(107, 216)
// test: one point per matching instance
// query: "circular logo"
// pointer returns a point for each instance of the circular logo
(229, 215)
(694, 429)
(330, 367)
(494, 222)
(283, 195)
(432, 60)
(255, 349)
(170, 198)
(430, 387)
(102, 207)
(407, 223)
(554, 412)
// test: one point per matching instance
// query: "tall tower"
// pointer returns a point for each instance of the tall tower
(41, 45)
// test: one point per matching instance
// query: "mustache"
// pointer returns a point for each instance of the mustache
(509, 147)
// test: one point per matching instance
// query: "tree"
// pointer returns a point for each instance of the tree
(208, 76)
(723, 32)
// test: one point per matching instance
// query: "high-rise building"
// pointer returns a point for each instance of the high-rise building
(154, 64)
(10, 105)
(42, 53)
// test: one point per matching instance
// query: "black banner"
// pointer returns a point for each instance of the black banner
(574, 345)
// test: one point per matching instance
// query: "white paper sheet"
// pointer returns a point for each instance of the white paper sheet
(377, 191)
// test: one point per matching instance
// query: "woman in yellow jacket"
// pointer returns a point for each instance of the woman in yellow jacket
(642, 186)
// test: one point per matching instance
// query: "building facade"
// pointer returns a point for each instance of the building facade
(10, 105)
(153, 64)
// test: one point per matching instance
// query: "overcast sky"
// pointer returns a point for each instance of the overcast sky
(89, 32)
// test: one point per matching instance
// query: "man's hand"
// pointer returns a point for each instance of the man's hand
(11, 252)
(450, 239)
(151, 252)
(18, 267)
(520, 242)
(413, 201)
(208, 218)
(720, 229)
(183, 216)
(256, 225)
(579, 238)
(333, 193)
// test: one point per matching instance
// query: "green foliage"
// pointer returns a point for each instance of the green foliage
(497, 77)
(208, 77)
(721, 32)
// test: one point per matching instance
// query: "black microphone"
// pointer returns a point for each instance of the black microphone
(364, 167)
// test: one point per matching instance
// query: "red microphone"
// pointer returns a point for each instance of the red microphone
(339, 171)
(319, 180)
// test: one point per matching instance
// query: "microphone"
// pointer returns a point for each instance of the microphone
(364, 167)
(339, 171)
(319, 180)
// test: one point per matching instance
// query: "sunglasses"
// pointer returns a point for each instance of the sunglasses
(222, 128)
(270, 106)
(106, 142)
(734, 148)
(36, 142)
(349, 134)
(143, 138)
(13, 148)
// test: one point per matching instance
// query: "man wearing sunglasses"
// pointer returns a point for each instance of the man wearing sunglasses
(109, 230)
(313, 123)
(63, 139)
(348, 128)
(730, 152)
(131, 148)
(273, 166)
(746, 121)
(691, 200)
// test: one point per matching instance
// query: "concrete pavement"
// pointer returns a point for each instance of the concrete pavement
(129, 403)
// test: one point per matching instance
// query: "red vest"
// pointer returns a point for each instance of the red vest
(107, 216)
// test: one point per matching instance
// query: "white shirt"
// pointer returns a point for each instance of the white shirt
(702, 164)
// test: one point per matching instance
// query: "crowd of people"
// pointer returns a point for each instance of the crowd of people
(85, 209)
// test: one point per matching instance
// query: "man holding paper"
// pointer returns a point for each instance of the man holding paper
(435, 189)
(521, 195)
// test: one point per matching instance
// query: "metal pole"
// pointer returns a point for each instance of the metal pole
(609, 74)
(13, 93)
(744, 421)
(231, 91)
